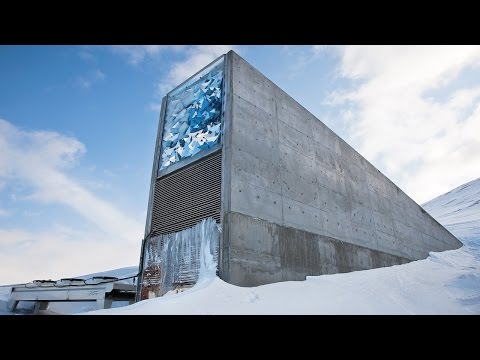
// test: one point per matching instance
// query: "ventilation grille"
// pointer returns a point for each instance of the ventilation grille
(188, 195)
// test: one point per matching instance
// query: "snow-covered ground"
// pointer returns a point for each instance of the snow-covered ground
(444, 283)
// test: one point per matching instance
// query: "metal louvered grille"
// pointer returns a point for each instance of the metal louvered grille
(187, 196)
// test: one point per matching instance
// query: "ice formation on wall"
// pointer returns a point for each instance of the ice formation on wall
(180, 259)
(193, 117)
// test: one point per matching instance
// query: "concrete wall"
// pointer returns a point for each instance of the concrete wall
(298, 200)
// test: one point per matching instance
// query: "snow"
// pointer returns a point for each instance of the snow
(83, 306)
(69, 307)
(4, 295)
(121, 273)
(459, 211)
(445, 283)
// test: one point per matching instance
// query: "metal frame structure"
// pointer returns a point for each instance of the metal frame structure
(104, 294)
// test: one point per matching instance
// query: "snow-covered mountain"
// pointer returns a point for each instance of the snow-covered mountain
(445, 283)
(459, 211)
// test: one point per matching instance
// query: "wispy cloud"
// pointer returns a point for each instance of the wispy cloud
(91, 78)
(318, 49)
(87, 55)
(59, 252)
(426, 143)
(196, 57)
(40, 160)
(192, 59)
(135, 54)
(303, 56)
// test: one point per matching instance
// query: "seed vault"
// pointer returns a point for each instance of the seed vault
(291, 197)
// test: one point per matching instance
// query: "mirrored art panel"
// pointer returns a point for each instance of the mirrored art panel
(193, 117)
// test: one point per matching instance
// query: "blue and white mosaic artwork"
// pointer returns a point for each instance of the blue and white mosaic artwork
(193, 120)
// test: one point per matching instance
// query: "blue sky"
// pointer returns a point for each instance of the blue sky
(78, 126)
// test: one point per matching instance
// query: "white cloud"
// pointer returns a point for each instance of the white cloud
(60, 252)
(86, 55)
(135, 54)
(88, 80)
(318, 49)
(427, 144)
(193, 59)
(39, 160)
(197, 57)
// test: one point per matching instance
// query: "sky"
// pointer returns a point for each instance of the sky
(78, 127)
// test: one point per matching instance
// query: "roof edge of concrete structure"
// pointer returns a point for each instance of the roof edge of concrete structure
(352, 148)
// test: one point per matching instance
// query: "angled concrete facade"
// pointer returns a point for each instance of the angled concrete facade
(297, 200)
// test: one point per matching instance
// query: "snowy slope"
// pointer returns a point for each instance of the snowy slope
(459, 210)
(444, 283)
(434, 286)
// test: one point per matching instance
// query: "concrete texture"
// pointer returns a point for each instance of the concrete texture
(298, 200)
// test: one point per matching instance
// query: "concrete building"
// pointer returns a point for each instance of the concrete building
(292, 197)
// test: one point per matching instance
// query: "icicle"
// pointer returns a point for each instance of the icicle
(181, 259)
